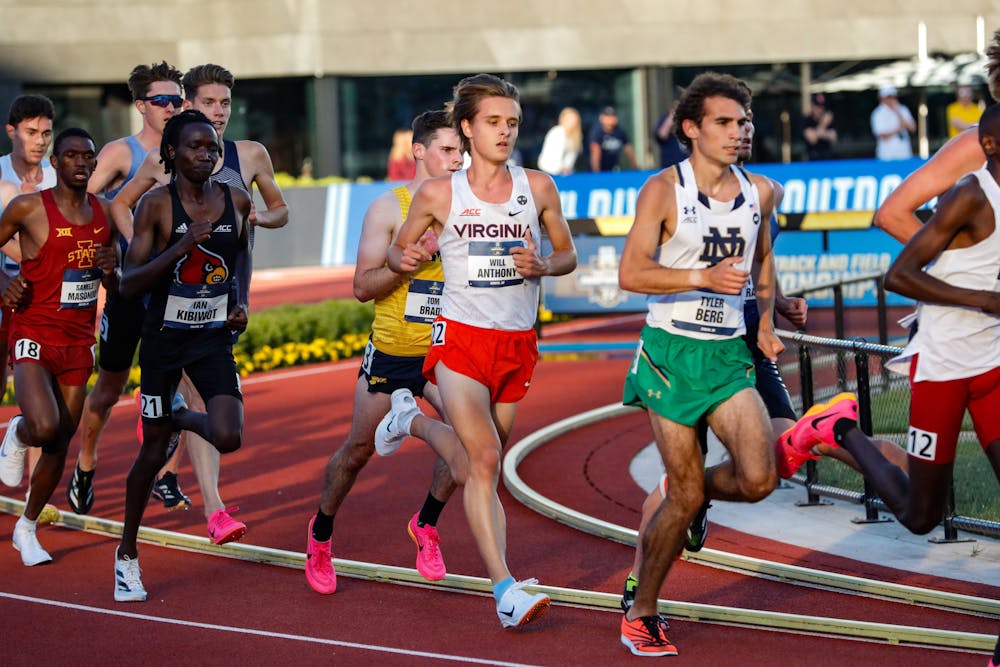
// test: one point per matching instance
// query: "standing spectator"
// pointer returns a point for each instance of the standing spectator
(401, 165)
(963, 113)
(671, 150)
(892, 124)
(818, 130)
(608, 141)
(562, 145)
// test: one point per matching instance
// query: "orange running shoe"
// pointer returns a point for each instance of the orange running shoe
(646, 636)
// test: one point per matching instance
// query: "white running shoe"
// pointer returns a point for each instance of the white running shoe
(12, 454)
(128, 580)
(395, 426)
(26, 541)
(517, 607)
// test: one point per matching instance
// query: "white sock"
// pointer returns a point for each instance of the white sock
(25, 522)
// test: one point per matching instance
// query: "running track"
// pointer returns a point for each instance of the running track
(206, 609)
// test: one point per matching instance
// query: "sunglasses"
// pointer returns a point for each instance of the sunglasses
(164, 101)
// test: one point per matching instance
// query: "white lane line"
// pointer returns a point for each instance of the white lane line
(257, 633)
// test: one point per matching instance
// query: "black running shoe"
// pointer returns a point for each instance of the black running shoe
(169, 493)
(698, 530)
(80, 492)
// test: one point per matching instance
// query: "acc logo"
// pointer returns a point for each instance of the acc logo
(472, 211)
(201, 267)
(224, 228)
(522, 200)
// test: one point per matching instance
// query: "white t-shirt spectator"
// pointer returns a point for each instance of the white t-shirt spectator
(557, 155)
(886, 121)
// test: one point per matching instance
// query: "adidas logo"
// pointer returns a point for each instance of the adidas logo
(182, 228)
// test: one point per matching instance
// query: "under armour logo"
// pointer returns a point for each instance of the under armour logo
(689, 210)
(653, 394)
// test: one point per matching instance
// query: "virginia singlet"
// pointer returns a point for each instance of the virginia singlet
(482, 288)
(402, 318)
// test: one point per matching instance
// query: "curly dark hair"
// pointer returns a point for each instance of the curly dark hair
(691, 105)
(172, 134)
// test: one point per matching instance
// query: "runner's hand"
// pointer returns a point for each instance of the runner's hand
(18, 293)
(106, 258)
(724, 277)
(237, 319)
(527, 261)
(794, 309)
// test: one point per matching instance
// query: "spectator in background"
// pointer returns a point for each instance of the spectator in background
(562, 145)
(401, 165)
(892, 124)
(963, 113)
(671, 151)
(608, 141)
(818, 130)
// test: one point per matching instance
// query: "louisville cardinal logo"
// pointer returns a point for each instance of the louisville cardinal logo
(201, 267)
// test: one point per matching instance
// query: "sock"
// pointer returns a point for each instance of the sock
(430, 512)
(887, 480)
(25, 522)
(841, 428)
(501, 587)
(631, 582)
(322, 526)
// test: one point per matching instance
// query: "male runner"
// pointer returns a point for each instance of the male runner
(405, 306)
(950, 266)
(189, 245)
(487, 220)
(156, 94)
(691, 247)
(243, 164)
(67, 250)
(769, 385)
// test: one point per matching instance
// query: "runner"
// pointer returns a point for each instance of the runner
(67, 250)
(487, 220)
(405, 306)
(691, 248)
(190, 244)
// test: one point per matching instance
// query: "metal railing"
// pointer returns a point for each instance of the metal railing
(862, 382)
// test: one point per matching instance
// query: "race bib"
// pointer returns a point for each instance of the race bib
(423, 301)
(491, 264)
(79, 288)
(708, 312)
(196, 306)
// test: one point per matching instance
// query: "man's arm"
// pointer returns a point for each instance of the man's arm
(148, 176)
(430, 203)
(14, 215)
(110, 162)
(765, 276)
(958, 211)
(562, 259)
(141, 272)
(259, 162)
(638, 271)
(896, 216)
(107, 257)
(373, 279)
(595, 156)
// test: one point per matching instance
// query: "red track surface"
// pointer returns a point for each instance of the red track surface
(209, 610)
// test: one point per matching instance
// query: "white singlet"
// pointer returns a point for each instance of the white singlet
(956, 342)
(481, 286)
(707, 232)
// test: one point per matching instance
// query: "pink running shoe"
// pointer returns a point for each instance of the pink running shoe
(222, 528)
(319, 566)
(795, 446)
(430, 562)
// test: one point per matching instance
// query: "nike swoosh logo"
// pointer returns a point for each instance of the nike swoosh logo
(509, 614)
(98, 230)
(513, 213)
(817, 420)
